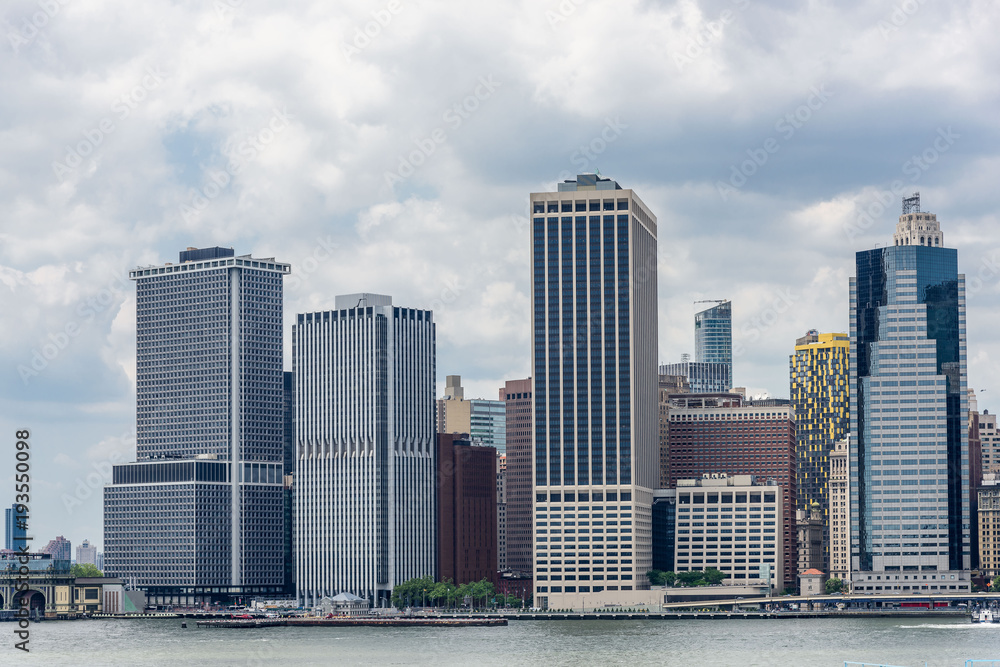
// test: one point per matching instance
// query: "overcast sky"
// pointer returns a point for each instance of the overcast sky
(391, 147)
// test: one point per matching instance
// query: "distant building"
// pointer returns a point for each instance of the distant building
(713, 336)
(501, 512)
(467, 510)
(975, 471)
(989, 442)
(365, 448)
(715, 433)
(810, 525)
(732, 502)
(14, 532)
(484, 420)
(988, 526)
(840, 524)
(59, 548)
(86, 554)
(518, 483)
(668, 385)
(812, 582)
(703, 377)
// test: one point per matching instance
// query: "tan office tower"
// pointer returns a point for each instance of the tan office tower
(840, 526)
(596, 456)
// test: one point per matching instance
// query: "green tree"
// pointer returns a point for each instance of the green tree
(834, 585)
(996, 584)
(85, 570)
(669, 578)
(714, 576)
(656, 578)
(691, 578)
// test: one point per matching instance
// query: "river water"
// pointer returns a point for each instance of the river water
(903, 642)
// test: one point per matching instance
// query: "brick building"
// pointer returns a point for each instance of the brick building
(467, 509)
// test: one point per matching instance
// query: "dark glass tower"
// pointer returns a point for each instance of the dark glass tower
(909, 460)
(595, 399)
(201, 508)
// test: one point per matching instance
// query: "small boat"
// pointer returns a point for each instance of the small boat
(984, 616)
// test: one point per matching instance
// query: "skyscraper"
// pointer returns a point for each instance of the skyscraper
(818, 372)
(199, 515)
(713, 335)
(365, 448)
(518, 482)
(484, 420)
(703, 377)
(595, 394)
(466, 509)
(14, 533)
(86, 553)
(909, 465)
(59, 548)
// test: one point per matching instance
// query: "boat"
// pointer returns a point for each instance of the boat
(985, 616)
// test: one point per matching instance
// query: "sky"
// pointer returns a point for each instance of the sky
(390, 147)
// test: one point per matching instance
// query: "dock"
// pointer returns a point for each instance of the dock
(363, 621)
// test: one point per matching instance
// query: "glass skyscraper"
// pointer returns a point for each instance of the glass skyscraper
(713, 335)
(909, 461)
(595, 399)
(200, 511)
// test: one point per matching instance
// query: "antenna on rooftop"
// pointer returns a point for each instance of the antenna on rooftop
(911, 204)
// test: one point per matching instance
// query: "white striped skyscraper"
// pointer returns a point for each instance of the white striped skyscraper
(364, 440)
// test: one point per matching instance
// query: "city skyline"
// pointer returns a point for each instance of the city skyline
(772, 147)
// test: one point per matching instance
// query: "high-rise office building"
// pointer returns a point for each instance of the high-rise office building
(909, 458)
(466, 510)
(987, 525)
(989, 442)
(818, 372)
(501, 512)
(840, 526)
(484, 420)
(667, 385)
(703, 377)
(714, 434)
(365, 448)
(86, 553)
(713, 335)
(14, 531)
(198, 516)
(594, 367)
(518, 482)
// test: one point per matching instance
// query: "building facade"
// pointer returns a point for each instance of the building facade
(989, 442)
(15, 531)
(86, 554)
(59, 548)
(664, 524)
(840, 524)
(484, 420)
(199, 514)
(703, 377)
(501, 512)
(909, 453)
(988, 527)
(518, 481)
(716, 433)
(749, 514)
(810, 526)
(594, 338)
(466, 510)
(818, 389)
(365, 448)
(668, 385)
(713, 335)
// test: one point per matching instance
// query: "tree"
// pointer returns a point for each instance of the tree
(669, 578)
(85, 570)
(834, 585)
(691, 578)
(656, 578)
(714, 576)
(996, 583)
